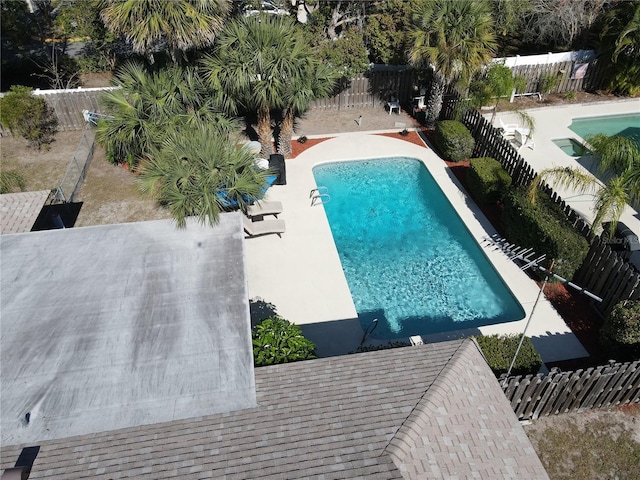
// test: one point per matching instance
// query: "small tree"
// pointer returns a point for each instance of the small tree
(276, 340)
(497, 84)
(28, 116)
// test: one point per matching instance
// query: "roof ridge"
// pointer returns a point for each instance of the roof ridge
(464, 424)
(405, 435)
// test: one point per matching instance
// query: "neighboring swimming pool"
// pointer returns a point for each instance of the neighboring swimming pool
(627, 125)
(408, 258)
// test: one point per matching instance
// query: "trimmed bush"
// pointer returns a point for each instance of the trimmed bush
(487, 180)
(28, 116)
(276, 340)
(620, 333)
(545, 228)
(499, 350)
(454, 140)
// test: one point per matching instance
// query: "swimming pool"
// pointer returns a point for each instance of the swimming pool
(408, 258)
(627, 125)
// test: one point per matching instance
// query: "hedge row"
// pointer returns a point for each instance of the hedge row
(499, 351)
(487, 180)
(543, 227)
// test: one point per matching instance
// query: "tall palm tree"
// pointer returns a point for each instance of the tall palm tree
(618, 163)
(454, 39)
(180, 24)
(256, 59)
(317, 81)
(148, 105)
(197, 172)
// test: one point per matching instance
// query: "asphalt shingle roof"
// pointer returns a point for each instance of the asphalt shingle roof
(433, 411)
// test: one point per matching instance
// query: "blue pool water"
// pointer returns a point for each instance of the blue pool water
(627, 125)
(409, 260)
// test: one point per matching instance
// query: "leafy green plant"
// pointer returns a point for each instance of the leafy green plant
(547, 82)
(302, 139)
(453, 140)
(276, 340)
(544, 227)
(570, 96)
(520, 83)
(499, 350)
(28, 116)
(487, 180)
(620, 333)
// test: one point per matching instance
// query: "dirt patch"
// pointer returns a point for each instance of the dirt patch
(41, 169)
(109, 194)
(596, 444)
(297, 147)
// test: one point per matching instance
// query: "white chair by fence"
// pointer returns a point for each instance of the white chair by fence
(508, 129)
(522, 138)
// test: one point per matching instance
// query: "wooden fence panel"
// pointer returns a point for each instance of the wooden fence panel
(564, 392)
(566, 81)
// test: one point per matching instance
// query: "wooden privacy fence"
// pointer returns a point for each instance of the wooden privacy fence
(372, 89)
(603, 272)
(69, 104)
(608, 275)
(570, 76)
(610, 385)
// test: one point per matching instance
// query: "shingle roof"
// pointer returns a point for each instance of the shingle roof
(432, 411)
(19, 211)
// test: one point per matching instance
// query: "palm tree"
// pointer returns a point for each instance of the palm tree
(619, 40)
(317, 81)
(619, 164)
(454, 39)
(256, 60)
(197, 172)
(180, 24)
(148, 105)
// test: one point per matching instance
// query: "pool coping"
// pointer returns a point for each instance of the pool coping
(301, 275)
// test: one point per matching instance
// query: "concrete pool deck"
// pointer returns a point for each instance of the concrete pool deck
(301, 276)
(553, 123)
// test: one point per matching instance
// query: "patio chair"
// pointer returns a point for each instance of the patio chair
(508, 129)
(262, 227)
(257, 211)
(394, 105)
(522, 138)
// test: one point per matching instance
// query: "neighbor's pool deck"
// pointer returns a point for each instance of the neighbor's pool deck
(301, 276)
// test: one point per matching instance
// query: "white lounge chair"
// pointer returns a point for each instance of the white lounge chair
(258, 210)
(522, 138)
(263, 227)
(508, 129)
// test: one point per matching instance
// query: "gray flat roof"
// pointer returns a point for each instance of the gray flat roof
(118, 326)
(431, 411)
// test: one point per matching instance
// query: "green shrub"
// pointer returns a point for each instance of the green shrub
(453, 140)
(487, 180)
(620, 333)
(28, 116)
(544, 227)
(276, 340)
(499, 350)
